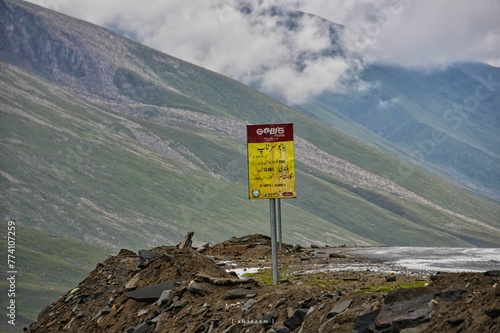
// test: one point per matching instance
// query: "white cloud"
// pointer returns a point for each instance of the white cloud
(421, 33)
(243, 39)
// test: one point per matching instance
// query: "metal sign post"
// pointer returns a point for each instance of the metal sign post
(272, 209)
(278, 220)
(271, 173)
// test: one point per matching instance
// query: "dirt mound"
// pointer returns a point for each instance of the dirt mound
(167, 289)
(252, 247)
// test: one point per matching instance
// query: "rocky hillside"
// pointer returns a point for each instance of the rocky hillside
(186, 289)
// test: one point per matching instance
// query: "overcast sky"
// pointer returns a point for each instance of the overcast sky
(255, 49)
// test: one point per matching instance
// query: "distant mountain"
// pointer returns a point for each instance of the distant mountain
(111, 142)
(447, 121)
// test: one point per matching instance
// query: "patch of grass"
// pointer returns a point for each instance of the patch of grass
(321, 279)
(262, 276)
(386, 287)
(326, 281)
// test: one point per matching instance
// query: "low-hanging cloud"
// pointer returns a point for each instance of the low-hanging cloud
(292, 56)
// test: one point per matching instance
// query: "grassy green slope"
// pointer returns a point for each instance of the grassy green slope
(234, 99)
(76, 170)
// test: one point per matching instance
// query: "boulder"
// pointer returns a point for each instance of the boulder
(452, 295)
(187, 242)
(247, 307)
(145, 256)
(239, 293)
(405, 314)
(296, 319)
(365, 322)
(339, 308)
(151, 293)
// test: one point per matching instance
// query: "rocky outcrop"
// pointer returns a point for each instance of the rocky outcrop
(31, 40)
(168, 290)
(415, 310)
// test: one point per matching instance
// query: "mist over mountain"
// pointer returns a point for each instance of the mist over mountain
(446, 121)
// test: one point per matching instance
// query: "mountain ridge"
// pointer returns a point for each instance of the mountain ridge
(446, 120)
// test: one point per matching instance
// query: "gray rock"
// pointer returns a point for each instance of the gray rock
(44, 311)
(307, 302)
(492, 313)
(132, 283)
(452, 295)
(340, 307)
(187, 242)
(337, 255)
(151, 293)
(365, 322)
(402, 294)
(106, 309)
(439, 275)
(201, 247)
(280, 302)
(457, 320)
(142, 312)
(164, 297)
(296, 319)
(160, 322)
(269, 318)
(492, 273)
(239, 293)
(142, 328)
(145, 256)
(178, 304)
(195, 289)
(406, 314)
(390, 278)
(247, 307)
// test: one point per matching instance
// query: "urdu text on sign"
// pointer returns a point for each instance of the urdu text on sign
(271, 161)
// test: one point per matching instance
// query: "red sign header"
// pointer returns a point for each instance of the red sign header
(269, 133)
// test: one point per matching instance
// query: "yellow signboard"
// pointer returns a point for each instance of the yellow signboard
(271, 161)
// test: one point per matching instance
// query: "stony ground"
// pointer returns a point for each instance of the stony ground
(186, 289)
